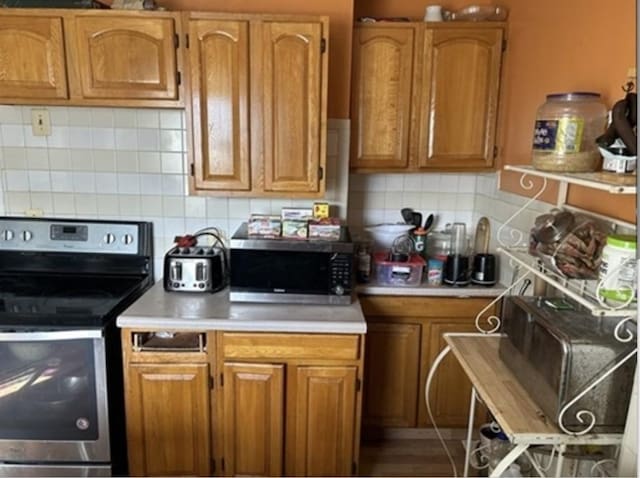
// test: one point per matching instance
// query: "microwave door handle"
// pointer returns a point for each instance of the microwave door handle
(50, 335)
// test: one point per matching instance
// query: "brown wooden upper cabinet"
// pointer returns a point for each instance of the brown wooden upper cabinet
(79, 57)
(258, 104)
(425, 96)
(32, 64)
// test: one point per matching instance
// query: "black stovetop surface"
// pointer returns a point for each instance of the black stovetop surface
(55, 300)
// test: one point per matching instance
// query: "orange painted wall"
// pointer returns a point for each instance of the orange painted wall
(553, 46)
(340, 14)
(567, 45)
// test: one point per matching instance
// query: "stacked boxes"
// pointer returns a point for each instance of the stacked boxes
(297, 223)
(294, 222)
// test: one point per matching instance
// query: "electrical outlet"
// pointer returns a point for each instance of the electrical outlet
(34, 212)
(40, 122)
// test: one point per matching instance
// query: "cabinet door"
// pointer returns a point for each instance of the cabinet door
(450, 388)
(253, 419)
(219, 67)
(125, 57)
(323, 411)
(32, 62)
(458, 115)
(168, 419)
(294, 103)
(381, 97)
(392, 365)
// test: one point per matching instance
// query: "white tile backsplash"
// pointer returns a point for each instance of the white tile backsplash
(12, 135)
(112, 163)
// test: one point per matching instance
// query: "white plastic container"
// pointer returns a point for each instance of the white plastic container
(566, 127)
(618, 269)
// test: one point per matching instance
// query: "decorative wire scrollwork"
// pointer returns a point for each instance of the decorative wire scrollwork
(586, 417)
(598, 467)
(516, 237)
(617, 332)
(493, 320)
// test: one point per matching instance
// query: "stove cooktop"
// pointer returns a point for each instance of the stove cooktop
(64, 301)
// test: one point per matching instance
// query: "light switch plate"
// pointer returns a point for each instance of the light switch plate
(40, 122)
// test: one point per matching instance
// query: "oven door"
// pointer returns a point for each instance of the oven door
(53, 398)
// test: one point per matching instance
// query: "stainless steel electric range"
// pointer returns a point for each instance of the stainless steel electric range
(62, 284)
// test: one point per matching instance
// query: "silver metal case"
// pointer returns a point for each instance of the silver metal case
(555, 354)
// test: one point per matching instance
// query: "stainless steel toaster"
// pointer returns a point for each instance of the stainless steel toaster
(195, 269)
(557, 349)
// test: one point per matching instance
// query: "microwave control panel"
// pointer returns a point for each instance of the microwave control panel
(341, 267)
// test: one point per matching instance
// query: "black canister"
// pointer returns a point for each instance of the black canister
(456, 270)
(484, 269)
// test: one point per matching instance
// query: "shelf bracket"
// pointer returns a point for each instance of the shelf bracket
(516, 237)
(587, 417)
(493, 320)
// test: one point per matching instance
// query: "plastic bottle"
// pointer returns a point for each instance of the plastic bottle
(618, 268)
(566, 128)
(420, 241)
(363, 271)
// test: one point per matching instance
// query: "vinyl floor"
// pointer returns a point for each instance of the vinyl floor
(419, 455)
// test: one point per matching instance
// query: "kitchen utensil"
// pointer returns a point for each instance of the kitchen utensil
(479, 13)
(433, 13)
(459, 238)
(438, 243)
(407, 215)
(195, 269)
(456, 267)
(428, 222)
(456, 270)
(417, 219)
(481, 241)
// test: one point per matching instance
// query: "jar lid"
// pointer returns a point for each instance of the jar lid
(622, 240)
(553, 227)
(573, 95)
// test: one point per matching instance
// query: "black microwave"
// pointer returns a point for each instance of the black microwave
(298, 271)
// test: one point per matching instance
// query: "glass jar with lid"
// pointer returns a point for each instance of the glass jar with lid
(566, 128)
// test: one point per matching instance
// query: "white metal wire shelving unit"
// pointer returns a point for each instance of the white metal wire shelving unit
(513, 246)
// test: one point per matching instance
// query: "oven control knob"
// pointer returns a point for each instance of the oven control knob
(127, 239)
(109, 238)
(82, 423)
(338, 290)
(26, 235)
(7, 234)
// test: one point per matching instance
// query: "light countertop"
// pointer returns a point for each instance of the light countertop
(373, 288)
(158, 309)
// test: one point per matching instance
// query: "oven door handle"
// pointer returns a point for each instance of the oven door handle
(51, 335)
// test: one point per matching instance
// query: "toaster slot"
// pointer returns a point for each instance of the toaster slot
(175, 271)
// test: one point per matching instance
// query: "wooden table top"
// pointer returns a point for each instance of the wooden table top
(509, 403)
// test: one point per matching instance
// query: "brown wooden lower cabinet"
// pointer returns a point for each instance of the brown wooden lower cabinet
(167, 404)
(253, 419)
(261, 404)
(404, 336)
(291, 403)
